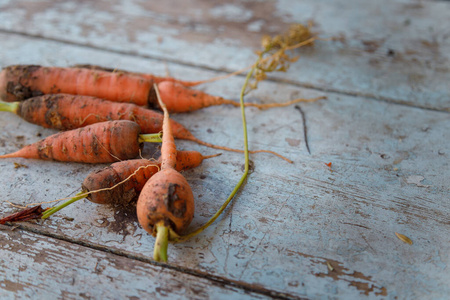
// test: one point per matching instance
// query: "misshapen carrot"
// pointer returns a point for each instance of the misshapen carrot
(98, 143)
(166, 204)
(122, 182)
(141, 169)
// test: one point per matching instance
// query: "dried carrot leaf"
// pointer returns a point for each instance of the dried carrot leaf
(26, 214)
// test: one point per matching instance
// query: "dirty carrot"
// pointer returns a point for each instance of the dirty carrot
(119, 171)
(65, 112)
(25, 81)
(121, 182)
(98, 143)
(165, 206)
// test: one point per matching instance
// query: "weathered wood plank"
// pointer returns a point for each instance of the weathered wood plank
(397, 51)
(290, 220)
(38, 267)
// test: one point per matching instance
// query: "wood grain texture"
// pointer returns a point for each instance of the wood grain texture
(55, 269)
(295, 231)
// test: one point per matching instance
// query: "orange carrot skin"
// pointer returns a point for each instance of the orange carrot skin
(66, 112)
(98, 143)
(180, 99)
(24, 81)
(117, 172)
(188, 160)
(166, 197)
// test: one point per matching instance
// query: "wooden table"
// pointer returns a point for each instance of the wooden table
(301, 230)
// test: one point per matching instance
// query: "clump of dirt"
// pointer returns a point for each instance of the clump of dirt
(125, 219)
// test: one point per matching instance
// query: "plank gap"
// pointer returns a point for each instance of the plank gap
(217, 279)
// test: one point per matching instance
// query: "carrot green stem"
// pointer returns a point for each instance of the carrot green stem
(161, 243)
(150, 138)
(56, 208)
(244, 176)
(11, 106)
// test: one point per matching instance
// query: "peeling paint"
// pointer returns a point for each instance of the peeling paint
(417, 180)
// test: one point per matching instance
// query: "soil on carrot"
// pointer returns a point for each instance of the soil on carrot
(15, 86)
(20, 91)
(172, 198)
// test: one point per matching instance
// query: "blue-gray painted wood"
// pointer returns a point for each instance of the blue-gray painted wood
(299, 230)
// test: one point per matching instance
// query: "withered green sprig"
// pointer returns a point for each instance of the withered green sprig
(275, 57)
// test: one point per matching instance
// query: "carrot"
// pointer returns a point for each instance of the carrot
(98, 143)
(121, 182)
(182, 99)
(21, 82)
(64, 112)
(165, 206)
(24, 81)
(120, 171)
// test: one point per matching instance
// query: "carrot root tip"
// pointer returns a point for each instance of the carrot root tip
(212, 155)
